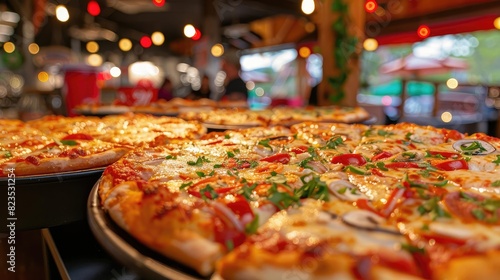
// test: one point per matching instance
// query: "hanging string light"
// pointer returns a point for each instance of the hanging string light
(93, 8)
(159, 3)
(371, 6)
(308, 6)
(62, 13)
(423, 31)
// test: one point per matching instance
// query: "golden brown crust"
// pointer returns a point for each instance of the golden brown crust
(64, 164)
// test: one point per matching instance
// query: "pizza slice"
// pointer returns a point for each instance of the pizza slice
(70, 153)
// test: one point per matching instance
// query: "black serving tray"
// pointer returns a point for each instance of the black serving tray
(43, 201)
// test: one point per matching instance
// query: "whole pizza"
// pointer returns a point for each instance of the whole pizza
(316, 201)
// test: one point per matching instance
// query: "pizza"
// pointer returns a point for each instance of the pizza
(283, 116)
(316, 200)
(54, 144)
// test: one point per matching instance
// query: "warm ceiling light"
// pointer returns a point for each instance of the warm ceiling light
(158, 38)
(217, 50)
(9, 47)
(189, 30)
(496, 23)
(94, 60)
(423, 31)
(115, 72)
(304, 52)
(371, 6)
(125, 45)
(92, 47)
(159, 3)
(93, 8)
(43, 77)
(370, 44)
(33, 48)
(307, 6)
(62, 13)
(145, 42)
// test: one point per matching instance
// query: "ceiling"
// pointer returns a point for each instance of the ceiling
(136, 18)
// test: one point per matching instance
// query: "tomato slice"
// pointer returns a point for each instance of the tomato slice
(227, 235)
(451, 165)
(402, 164)
(282, 158)
(77, 136)
(444, 154)
(299, 150)
(240, 207)
(381, 155)
(349, 159)
(452, 134)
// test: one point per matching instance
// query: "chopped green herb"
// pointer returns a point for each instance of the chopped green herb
(69, 142)
(247, 191)
(230, 154)
(252, 227)
(185, 185)
(412, 249)
(478, 213)
(6, 154)
(368, 132)
(265, 143)
(342, 190)
(472, 149)
(432, 206)
(253, 164)
(236, 151)
(229, 245)
(497, 161)
(381, 166)
(200, 174)
(409, 155)
(313, 188)
(282, 200)
(171, 157)
(356, 170)
(218, 165)
(496, 183)
(441, 184)
(208, 189)
(199, 161)
(333, 143)
(384, 133)
(226, 136)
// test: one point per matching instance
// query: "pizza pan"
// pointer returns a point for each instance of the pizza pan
(47, 200)
(128, 251)
(223, 127)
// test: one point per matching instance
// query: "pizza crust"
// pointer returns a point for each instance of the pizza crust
(63, 164)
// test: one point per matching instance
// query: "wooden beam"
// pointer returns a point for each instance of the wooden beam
(326, 39)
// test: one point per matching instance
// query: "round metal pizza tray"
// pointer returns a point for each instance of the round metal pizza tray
(43, 201)
(223, 127)
(128, 251)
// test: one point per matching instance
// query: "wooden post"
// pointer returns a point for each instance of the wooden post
(326, 39)
(435, 109)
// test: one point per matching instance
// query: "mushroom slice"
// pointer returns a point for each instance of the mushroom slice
(345, 191)
(367, 220)
(473, 147)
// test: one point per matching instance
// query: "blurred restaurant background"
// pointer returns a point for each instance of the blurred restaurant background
(423, 61)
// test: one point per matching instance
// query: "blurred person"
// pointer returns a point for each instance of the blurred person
(235, 88)
(203, 91)
(166, 91)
